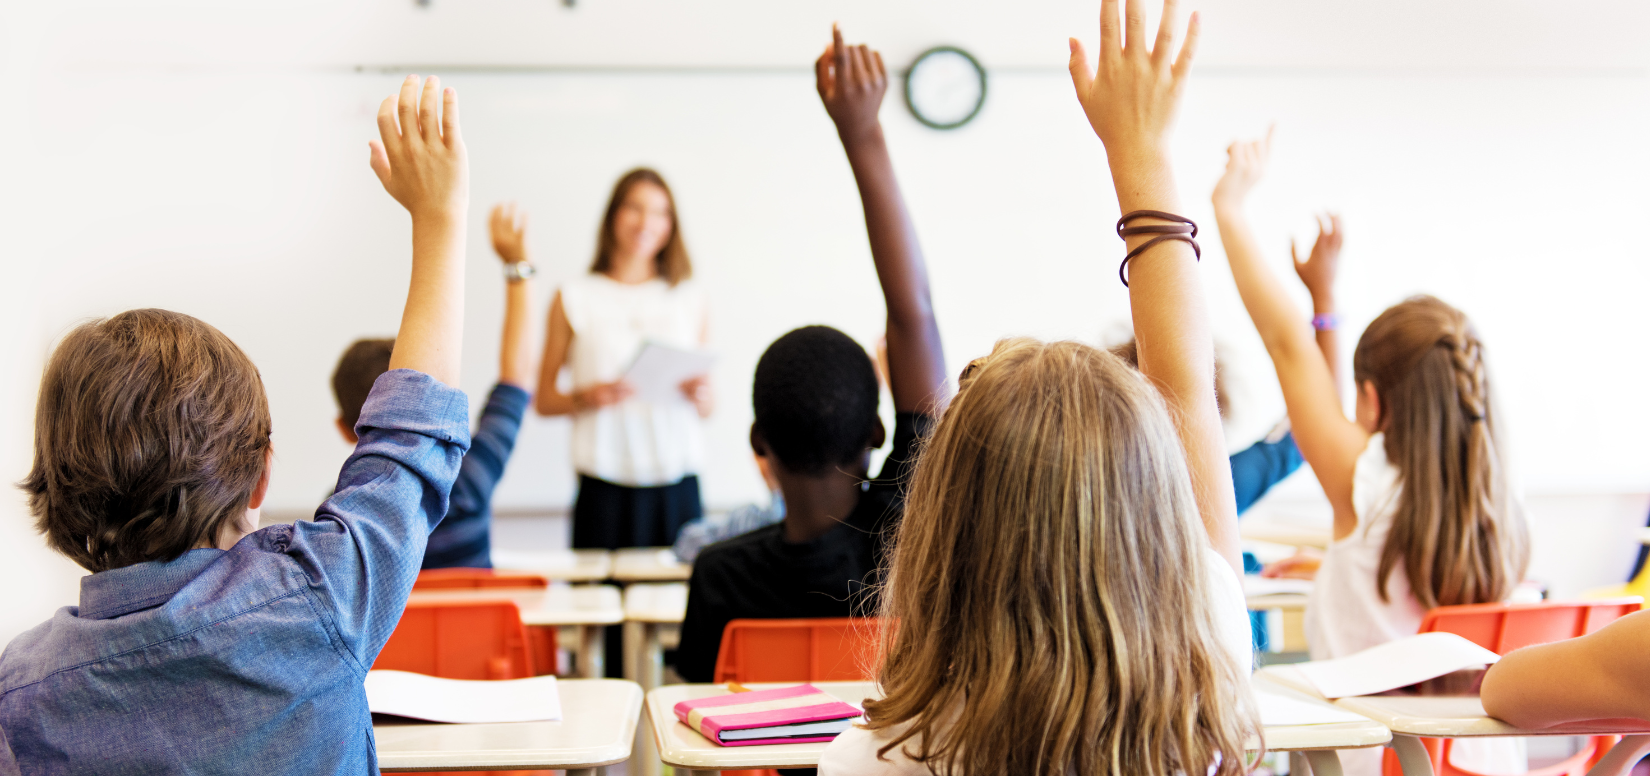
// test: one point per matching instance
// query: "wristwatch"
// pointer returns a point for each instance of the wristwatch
(520, 270)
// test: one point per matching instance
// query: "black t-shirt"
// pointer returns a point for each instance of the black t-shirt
(758, 575)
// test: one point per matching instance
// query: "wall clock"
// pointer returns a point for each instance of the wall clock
(945, 87)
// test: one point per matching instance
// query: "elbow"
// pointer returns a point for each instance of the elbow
(1501, 698)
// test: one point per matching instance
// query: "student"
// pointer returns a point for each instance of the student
(815, 395)
(202, 644)
(1423, 513)
(1065, 577)
(1598, 676)
(463, 539)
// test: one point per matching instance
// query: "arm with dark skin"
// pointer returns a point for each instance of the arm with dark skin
(851, 82)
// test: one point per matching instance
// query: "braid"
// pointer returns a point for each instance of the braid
(1467, 355)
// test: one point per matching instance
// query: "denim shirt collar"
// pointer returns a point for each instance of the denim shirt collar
(109, 594)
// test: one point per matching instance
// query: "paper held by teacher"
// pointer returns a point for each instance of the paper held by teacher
(658, 372)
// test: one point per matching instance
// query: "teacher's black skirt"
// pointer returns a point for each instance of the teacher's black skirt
(608, 516)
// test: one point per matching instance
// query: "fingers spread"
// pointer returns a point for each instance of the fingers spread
(379, 161)
(1188, 50)
(1134, 21)
(1082, 77)
(1164, 47)
(386, 124)
(449, 116)
(428, 122)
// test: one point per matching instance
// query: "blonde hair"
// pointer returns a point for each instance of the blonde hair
(1048, 584)
(672, 262)
(1458, 531)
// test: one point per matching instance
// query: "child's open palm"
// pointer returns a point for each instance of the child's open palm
(851, 81)
(421, 159)
(1317, 272)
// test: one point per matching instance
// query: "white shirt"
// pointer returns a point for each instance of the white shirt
(634, 442)
(854, 752)
(1344, 612)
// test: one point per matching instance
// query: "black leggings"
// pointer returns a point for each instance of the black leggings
(608, 516)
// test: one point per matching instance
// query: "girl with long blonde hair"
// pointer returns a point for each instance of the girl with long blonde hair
(1063, 584)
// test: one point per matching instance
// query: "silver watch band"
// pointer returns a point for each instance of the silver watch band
(519, 270)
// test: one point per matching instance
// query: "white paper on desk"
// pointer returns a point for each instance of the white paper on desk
(407, 694)
(1395, 664)
(658, 372)
(1277, 710)
(1256, 585)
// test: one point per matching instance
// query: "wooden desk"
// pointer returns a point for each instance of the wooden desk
(597, 727)
(1412, 717)
(588, 607)
(684, 749)
(649, 564)
(557, 565)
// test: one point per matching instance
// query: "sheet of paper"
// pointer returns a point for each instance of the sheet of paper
(1278, 709)
(658, 372)
(1254, 585)
(1395, 664)
(406, 694)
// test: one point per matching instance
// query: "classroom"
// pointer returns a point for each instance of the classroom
(890, 360)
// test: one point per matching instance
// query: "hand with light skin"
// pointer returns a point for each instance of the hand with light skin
(1133, 93)
(1246, 162)
(1317, 272)
(508, 228)
(697, 390)
(1304, 564)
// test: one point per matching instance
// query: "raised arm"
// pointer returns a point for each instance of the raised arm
(1327, 439)
(1605, 675)
(517, 360)
(852, 81)
(1130, 98)
(1317, 273)
(422, 164)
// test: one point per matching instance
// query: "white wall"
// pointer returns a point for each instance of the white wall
(211, 158)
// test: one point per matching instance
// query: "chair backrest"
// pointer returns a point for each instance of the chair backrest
(811, 650)
(1502, 628)
(483, 640)
(449, 579)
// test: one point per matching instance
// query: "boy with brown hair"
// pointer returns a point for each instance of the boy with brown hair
(202, 644)
(464, 537)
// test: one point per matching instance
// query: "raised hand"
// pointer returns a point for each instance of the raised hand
(508, 228)
(851, 82)
(1317, 272)
(1132, 93)
(421, 159)
(1245, 164)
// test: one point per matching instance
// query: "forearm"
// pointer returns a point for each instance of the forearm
(1323, 304)
(432, 324)
(1176, 347)
(549, 401)
(1282, 327)
(517, 360)
(916, 361)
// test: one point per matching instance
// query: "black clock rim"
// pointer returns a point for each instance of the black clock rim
(978, 104)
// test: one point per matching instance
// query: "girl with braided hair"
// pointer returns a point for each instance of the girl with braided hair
(1424, 513)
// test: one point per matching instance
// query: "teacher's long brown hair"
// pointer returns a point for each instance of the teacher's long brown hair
(672, 262)
(1050, 588)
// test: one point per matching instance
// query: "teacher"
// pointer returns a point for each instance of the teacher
(637, 460)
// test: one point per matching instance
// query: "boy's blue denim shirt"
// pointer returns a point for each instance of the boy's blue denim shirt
(249, 659)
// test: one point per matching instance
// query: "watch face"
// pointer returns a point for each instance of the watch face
(945, 87)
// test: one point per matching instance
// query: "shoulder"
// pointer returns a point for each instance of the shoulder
(854, 753)
(734, 555)
(1230, 609)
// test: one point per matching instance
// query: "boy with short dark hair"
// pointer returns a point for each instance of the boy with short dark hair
(202, 644)
(815, 396)
(464, 537)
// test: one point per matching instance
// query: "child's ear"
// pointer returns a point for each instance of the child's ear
(759, 446)
(261, 490)
(347, 432)
(879, 435)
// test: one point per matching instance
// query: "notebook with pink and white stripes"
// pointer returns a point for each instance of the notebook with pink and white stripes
(783, 715)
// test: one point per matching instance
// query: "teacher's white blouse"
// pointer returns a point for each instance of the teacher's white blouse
(635, 442)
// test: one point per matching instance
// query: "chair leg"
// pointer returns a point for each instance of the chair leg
(593, 652)
(1622, 757)
(1299, 765)
(1325, 762)
(1412, 755)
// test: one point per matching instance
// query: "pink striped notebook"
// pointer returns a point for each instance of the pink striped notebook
(783, 715)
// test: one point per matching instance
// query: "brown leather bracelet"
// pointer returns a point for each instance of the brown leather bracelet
(1185, 231)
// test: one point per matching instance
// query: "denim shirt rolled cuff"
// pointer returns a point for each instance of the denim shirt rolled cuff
(409, 400)
(513, 398)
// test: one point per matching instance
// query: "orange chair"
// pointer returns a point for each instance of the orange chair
(828, 649)
(482, 640)
(1502, 628)
(451, 579)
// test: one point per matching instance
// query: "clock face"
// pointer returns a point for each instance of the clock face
(945, 87)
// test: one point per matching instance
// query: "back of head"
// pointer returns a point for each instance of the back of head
(362, 363)
(150, 434)
(1049, 585)
(1458, 533)
(815, 396)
